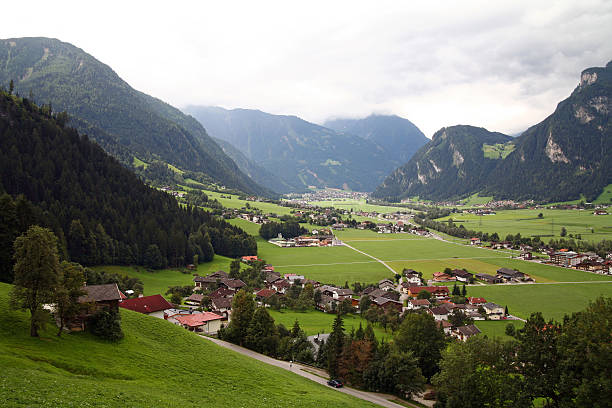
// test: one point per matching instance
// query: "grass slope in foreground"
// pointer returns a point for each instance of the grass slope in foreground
(156, 365)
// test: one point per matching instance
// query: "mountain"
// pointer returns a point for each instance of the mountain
(567, 154)
(399, 137)
(70, 79)
(101, 212)
(260, 175)
(452, 164)
(297, 152)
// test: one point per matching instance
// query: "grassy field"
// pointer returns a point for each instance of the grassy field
(497, 328)
(605, 197)
(528, 223)
(475, 199)
(158, 281)
(234, 202)
(315, 322)
(553, 300)
(359, 205)
(157, 364)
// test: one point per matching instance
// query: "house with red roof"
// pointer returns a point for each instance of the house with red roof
(154, 305)
(476, 300)
(205, 322)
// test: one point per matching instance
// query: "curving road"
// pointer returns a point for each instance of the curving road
(306, 372)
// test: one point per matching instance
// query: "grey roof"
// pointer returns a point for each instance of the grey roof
(221, 303)
(469, 330)
(100, 293)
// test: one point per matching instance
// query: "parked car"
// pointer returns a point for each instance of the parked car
(335, 383)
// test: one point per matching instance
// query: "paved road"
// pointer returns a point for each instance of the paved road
(368, 255)
(379, 399)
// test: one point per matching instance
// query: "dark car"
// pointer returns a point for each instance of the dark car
(335, 383)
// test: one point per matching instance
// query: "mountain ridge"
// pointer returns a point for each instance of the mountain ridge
(72, 80)
(566, 155)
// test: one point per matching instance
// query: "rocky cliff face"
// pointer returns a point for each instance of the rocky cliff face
(566, 155)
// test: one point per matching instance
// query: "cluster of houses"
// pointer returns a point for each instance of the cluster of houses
(504, 275)
(588, 261)
(322, 238)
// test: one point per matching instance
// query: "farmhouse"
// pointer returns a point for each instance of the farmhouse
(102, 296)
(415, 304)
(511, 275)
(154, 305)
(195, 299)
(386, 284)
(435, 291)
(488, 278)
(205, 322)
(465, 332)
(210, 281)
(461, 275)
(222, 306)
(442, 277)
(445, 325)
(232, 284)
(386, 303)
(494, 311)
(439, 313)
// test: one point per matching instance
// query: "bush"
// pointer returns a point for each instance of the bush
(106, 324)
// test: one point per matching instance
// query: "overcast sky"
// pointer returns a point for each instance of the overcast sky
(500, 65)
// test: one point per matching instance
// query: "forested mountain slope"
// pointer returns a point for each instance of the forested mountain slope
(298, 152)
(72, 80)
(566, 155)
(399, 137)
(452, 164)
(101, 212)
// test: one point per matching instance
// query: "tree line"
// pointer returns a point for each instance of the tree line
(100, 212)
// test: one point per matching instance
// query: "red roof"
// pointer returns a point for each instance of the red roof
(476, 300)
(197, 319)
(146, 304)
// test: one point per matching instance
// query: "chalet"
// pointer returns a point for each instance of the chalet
(195, 299)
(326, 303)
(442, 277)
(386, 303)
(511, 275)
(293, 278)
(439, 313)
(476, 301)
(209, 281)
(264, 294)
(205, 322)
(415, 304)
(412, 277)
(342, 294)
(386, 284)
(250, 259)
(567, 258)
(154, 305)
(222, 306)
(233, 284)
(493, 311)
(475, 241)
(271, 277)
(461, 275)
(445, 325)
(485, 277)
(435, 291)
(526, 255)
(465, 332)
(280, 285)
(221, 292)
(391, 294)
(102, 296)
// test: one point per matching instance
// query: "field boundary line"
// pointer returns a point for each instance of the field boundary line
(376, 259)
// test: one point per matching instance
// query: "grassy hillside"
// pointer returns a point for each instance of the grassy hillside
(156, 365)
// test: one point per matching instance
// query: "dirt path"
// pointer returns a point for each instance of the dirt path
(307, 372)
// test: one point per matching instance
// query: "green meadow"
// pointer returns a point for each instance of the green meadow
(315, 322)
(553, 300)
(234, 202)
(158, 281)
(529, 224)
(358, 205)
(157, 364)
(497, 328)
